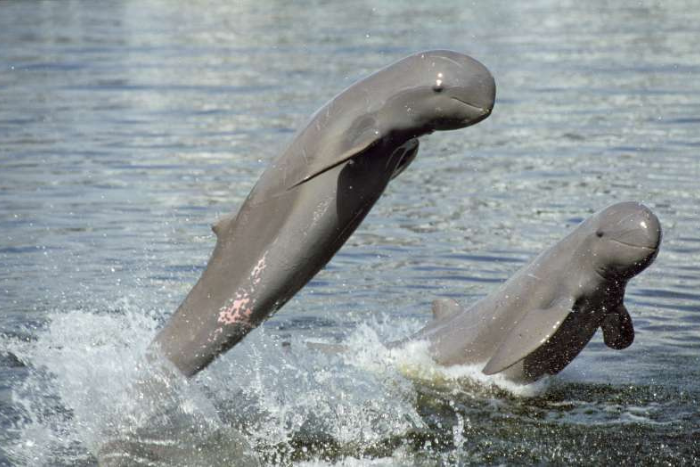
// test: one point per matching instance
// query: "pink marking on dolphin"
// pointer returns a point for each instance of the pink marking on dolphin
(236, 312)
(258, 269)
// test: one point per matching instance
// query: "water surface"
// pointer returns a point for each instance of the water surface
(126, 129)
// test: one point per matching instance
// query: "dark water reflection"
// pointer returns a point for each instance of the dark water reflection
(126, 129)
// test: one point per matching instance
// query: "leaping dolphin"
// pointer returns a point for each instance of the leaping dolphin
(539, 320)
(310, 200)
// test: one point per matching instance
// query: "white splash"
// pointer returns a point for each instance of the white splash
(89, 389)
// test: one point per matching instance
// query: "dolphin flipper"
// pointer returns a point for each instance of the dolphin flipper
(445, 307)
(407, 153)
(530, 333)
(618, 331)
(335, 151)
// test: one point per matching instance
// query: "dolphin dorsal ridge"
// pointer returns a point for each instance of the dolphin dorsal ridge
(220, 226)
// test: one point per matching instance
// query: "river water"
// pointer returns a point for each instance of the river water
(127, 128)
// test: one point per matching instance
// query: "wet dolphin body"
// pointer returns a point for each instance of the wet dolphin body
(309, 201)
(539, 320)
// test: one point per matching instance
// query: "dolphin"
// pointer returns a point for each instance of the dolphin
(314, 195)
(540, 319)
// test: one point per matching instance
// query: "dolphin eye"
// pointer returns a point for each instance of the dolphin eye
(437, 87)
(599, 234)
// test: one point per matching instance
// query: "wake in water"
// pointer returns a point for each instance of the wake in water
(90, 394)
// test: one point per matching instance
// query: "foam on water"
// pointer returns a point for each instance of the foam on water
(90, 393)
(413, 360)
(285, 394)
(88, 387)
(74, 370)
(399, 458)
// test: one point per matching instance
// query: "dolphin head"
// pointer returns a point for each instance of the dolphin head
(440, 90)
(625, 240)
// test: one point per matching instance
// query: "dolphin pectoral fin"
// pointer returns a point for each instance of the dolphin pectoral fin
(334, 152)
(531, 332)
(315, 169)
(406, 153)
(618, 330)
(445, 307)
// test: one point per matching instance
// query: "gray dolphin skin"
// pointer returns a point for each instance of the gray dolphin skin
(310, 200)
(539, 320)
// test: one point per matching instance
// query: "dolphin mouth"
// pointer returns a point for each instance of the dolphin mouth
(483, 111)
(632, 245)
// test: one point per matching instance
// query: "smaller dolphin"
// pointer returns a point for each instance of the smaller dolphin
(539, 320)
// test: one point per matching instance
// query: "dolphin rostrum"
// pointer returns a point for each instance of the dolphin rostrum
(539, 320)
(309, 201)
